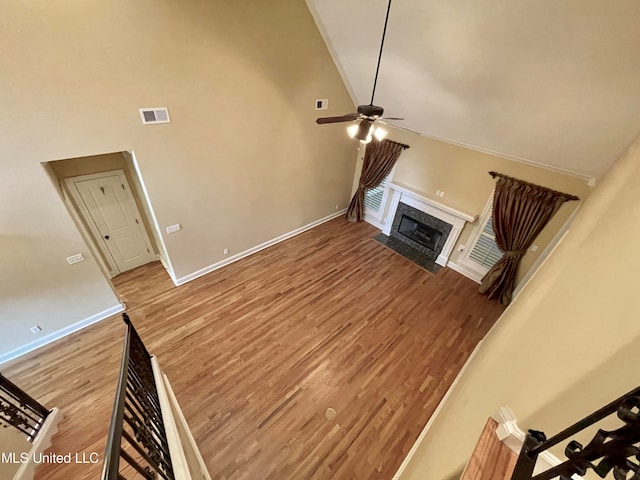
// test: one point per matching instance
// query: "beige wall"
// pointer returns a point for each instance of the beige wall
(567, 345)
(241, 163)
(12, 442)
(431, 165)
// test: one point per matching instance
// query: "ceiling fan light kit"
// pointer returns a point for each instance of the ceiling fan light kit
(364, 128)
(365, 131)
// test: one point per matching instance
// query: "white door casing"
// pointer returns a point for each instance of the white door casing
(109, 209)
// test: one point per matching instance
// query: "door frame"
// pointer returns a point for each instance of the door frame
(70, 183)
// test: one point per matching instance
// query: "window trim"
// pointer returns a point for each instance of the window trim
(465, 259)
(378, 216)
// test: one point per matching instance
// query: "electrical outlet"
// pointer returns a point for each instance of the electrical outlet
(534, 248)
(75, 258)
(437, 193)
(226, 251)
(442, 193)
(174, 228)
(337, 206)
(36, 329)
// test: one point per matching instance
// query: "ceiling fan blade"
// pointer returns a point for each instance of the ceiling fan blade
(392, 118)
(350, 117)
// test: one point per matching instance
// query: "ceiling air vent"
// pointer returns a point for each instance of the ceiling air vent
(155, 115)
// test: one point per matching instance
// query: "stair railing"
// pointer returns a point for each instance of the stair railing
(19, 410)
(137, 433)
(615, 451)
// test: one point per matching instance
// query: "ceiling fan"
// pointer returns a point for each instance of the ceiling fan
(364, 129)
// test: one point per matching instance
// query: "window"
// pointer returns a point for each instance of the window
(373, 198)
(481, 252)
(485, 251)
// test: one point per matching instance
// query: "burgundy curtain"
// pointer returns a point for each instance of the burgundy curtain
(520, 211)
(379, 159)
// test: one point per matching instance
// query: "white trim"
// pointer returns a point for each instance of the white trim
(583, 176)
(257, 248)
(463, 260)
(176, 452)
(40, 444)
(447, 214)
(191, 442)
(52, 337)
(182, 446)
(378, 217)
(166, 261)
(509, 433)
(467, 272)
(72, 187)
(169, 271)
(373, 220)
(436, 412)
(445, 209)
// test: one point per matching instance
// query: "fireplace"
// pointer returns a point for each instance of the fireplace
(419, 232)
(420, 228)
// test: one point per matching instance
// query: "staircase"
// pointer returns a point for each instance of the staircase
(148, 437)
(29, 427)
(491, 459)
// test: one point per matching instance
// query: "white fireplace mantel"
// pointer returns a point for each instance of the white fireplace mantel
(453, 217)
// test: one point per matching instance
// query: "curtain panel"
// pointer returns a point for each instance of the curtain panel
(520, 211)
(379, 159)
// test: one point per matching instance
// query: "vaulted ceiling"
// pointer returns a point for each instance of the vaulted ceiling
(554, 82)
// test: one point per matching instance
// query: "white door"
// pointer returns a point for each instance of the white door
(106, 202)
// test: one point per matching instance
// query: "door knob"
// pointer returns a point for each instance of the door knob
(106, 237)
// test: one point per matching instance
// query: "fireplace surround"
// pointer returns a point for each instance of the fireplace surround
(444, 220)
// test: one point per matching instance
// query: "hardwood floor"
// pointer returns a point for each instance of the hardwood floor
(258, 350)
(491, 459)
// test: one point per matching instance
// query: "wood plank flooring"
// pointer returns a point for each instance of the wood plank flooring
(257, 351)
(491, 459)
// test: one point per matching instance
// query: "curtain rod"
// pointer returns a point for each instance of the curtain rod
(403, 145)
(555, 192)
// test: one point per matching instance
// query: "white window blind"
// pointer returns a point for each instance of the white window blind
(373, 197)
(485, 251)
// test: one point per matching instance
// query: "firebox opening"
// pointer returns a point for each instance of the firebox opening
(419, 232)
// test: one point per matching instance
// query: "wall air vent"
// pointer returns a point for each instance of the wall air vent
(154, 115)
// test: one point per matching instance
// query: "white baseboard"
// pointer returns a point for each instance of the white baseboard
(509, 433)
(40, 444)
(467, 272)
(373, 221)
(436, 412)
(165, 264)
(52, 337)
(257, 248)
